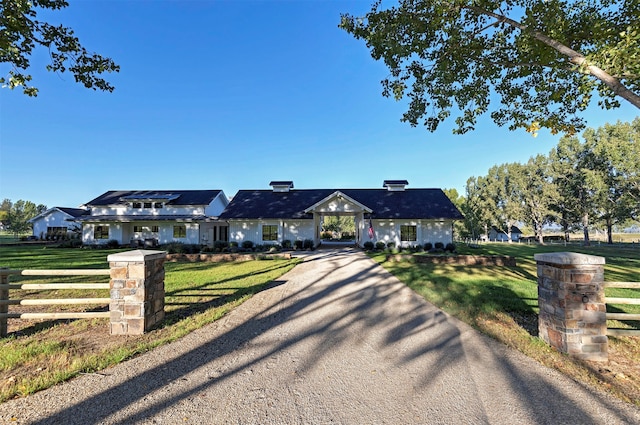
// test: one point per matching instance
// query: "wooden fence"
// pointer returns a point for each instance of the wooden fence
(622, 316)
(5, 300)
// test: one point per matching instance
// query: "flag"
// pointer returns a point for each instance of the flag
(371, 232)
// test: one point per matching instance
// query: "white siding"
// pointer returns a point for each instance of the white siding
(240, 231)
(168, 210)
(427, 231)
(54, 218)
(115, 232)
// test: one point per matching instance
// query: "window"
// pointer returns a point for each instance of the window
(408, 233)
(143, 229)
(137, 205)
(180, 231)
(57, 231)
(147, 204)
(101, 232)
(158, 205)
(269, 232)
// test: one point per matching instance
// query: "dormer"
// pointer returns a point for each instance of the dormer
(395, 185)
(281, 186)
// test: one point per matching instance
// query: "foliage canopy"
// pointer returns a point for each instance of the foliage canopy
(542, 61)
(21, 32)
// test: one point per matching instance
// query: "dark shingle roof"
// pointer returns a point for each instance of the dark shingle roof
(385, 204)
(174, 197)
(73, 212)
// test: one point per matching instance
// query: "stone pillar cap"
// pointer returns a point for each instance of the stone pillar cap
(569, 258)
(137, 255)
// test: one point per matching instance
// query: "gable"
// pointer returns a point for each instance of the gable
(337, 202)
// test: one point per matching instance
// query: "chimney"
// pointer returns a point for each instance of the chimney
(395, 185)
(281, 186)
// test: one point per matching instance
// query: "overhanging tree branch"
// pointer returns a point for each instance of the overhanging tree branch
(574, 57)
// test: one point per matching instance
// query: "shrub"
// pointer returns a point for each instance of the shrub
(428, 246)
(307, 244)
(439, 245)
(391, 245)
(174, 248)
(112, 243)
(233, 244)
(286, 244)
(326, 235)
(247, 244)
(450, 247)
(298, 244)
(219, 246)
(380, 245)
(368, 246)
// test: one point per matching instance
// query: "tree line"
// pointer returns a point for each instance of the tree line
(15, 216)
(587, 181)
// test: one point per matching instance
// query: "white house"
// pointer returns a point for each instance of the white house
(497, 235)
(56, 222)
(151, 217)
(394, 213)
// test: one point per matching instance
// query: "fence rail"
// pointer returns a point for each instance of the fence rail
(622, 316)
(5, 300)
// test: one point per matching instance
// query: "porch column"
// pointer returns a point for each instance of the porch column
(137, 291)
(572, 315)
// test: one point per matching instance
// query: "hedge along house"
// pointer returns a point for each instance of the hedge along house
(394, 213)
(154, 217)
(57, 222)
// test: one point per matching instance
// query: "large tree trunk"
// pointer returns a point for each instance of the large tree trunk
(539, 233)
(609, 231)
(585, 227)
(565, 226)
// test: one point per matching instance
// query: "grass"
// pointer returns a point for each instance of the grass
(502, 302)
(42, 353)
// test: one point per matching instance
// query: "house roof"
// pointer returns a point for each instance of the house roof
(514, 229)
(171, 197)
(72, 212)
(384, 204)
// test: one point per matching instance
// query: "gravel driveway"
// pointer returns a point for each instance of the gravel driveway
(337, 340)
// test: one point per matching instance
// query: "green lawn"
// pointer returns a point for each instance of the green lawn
(44, 353)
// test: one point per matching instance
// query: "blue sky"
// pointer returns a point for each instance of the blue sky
(230, 95)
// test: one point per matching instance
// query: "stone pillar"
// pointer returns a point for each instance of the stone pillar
(572, 315)
(137, 291)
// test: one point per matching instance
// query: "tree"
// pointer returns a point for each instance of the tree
(543, 60)
(20, 214)
(475, 208)
(5, 207)
(21, 32)
(459, 227)
(578, 185)
(615, 171)
(537, 192)
(503, 194)
(339, 224)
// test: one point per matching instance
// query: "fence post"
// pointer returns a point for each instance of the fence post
(4, 308)
(572, 315)
(137, 291)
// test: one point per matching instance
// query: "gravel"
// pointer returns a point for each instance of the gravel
(337, 340)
